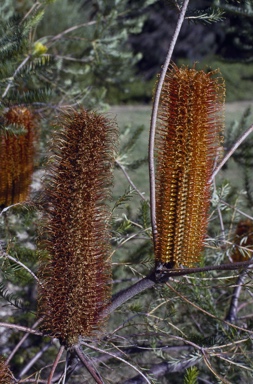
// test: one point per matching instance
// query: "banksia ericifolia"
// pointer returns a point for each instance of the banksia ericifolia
(243, 241)
(188, 140)
(16, 155)
(5, 373)
(75, 279)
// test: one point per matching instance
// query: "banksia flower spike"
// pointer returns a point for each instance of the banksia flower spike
(75, 280)
(243, 241)
(188, 140)
(5, 373)
(16, 156)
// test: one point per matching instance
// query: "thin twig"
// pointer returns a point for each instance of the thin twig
(30, 381)
(227, 323)
(14, 75)
(221, 267)
(88, 365)
(35, 5)
(103, 358)
(162, 276)
(126, 294)
(232, 312)
(232, 150)
(35, 358)
(236, 209)
(7, 208)
(56, 362)
(21, 341)
(162, 369)
(4, 254)
(129, 180)
(116, 357)
(71, 363)
(210, 367)
(69, 58)
(21, 328)
(154, 118)
(71, 29)
(75, 27)
(220, 219)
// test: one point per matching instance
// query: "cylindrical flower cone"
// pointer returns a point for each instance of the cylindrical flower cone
(75, 279)
(16, 156)
(187, 142)
(5, 373)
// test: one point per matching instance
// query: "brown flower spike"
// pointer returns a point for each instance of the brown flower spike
(75, 280)
(5, 373)
(188, 140)
(16, 156)
(243, 238)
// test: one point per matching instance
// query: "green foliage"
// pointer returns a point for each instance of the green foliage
(244, 154)
(103, 60)
(191, 376)
(19, 69)
(129, 144)
(123, 199)
(10, 298)
(11, 43)
(209, 16)
(144, 214)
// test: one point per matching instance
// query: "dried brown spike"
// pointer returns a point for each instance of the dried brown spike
(243, 238)
(188, 139)
(16, 156)
(5, 373)
(76, 277)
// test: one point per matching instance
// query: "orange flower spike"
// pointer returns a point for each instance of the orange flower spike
(76, 277)
(16, 156)
(244, 238)
(187, 141)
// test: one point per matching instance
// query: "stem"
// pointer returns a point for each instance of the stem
(232, 150)
(21, 342)
(50, 379)
(71, 29)
(129, 180)
(72, 362)
(236, 209)
(75, 27)
(154, 118)
(117, 357)
(4, 254)
(220, 218)
(126, 294)
(7, 208)
(36, 5)
(34, 359)
(14, 75)
(88, 366)
(162, 276)
(232, 312)
(20, 328)
(222, 267)
(162, 369)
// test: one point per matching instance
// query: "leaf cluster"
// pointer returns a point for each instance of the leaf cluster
(243, 157)
(18, 84)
